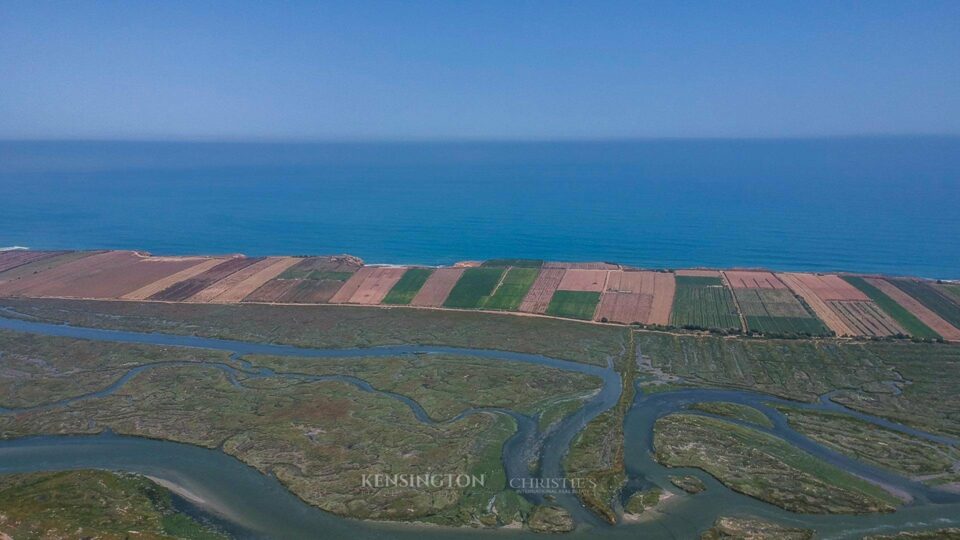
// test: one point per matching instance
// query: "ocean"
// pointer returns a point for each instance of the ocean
(884, 205)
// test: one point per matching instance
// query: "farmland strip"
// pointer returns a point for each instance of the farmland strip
(179, 292)
(222, 286)
(827, 314)
(352, 285)
(935, 299)
(927, 316)
(276, 266)
(437, 287)
(538, 298)
(153, 288)
(377, 285)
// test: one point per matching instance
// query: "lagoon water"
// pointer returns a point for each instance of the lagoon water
(887, 205)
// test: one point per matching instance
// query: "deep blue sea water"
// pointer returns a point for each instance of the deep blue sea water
(888, 205)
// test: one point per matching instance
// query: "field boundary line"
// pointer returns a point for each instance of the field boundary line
(736, 302)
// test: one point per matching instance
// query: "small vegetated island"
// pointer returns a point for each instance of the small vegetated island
(591, 399)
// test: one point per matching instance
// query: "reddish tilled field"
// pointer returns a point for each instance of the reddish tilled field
(437, 287)
(376, 285)
(541, 292)
(637, 296)
(830, 287)
(581, 265)
(819, 306)
(583, 280)
(105, 275)
(749, 279)
(352, 285)
(625, 307)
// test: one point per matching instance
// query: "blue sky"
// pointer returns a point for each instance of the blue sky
(479, 69)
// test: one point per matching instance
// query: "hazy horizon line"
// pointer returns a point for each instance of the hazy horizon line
(463, 139)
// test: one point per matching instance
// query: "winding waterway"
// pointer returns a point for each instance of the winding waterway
(253, 505)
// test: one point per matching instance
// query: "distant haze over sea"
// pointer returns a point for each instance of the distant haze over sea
(886, 205)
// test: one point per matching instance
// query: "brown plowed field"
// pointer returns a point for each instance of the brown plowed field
(637, 296)
(377, 285)
(665, 288)
(218, 292)
(830, 287)
(35, 283)
(541, 292)
(749, 279)
(352, 285)
(631, 281)
(437, 287)
(27, 271)
(18, 257)
(698, 273)
(106, 275)
(826, 314)
(920, 311)
(278, 290)
(581, 265)
(625, 307)
(866, 318)
(183, 290)
(153, 288)
(584, 280)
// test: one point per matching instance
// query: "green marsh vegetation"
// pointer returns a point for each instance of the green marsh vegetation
(764, 466)
(339, 326)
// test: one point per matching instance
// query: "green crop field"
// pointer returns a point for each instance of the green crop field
(777, 312)
(574, 304)
(928, 295)
(514, 287)
(520, 263)
(408, 286)
(473, 288)
(907, 320)
(704, 302)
